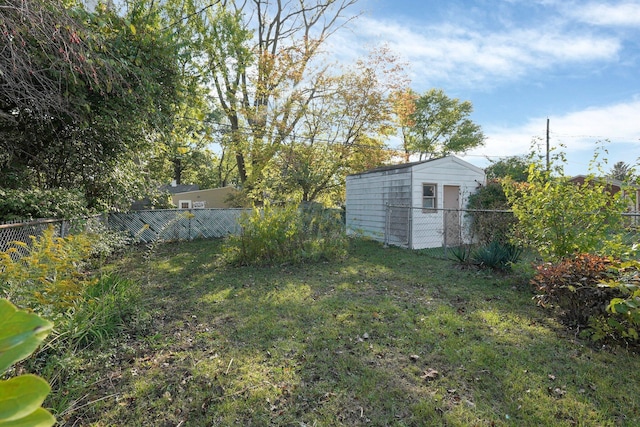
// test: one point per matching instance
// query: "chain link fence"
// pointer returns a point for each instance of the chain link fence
(434, 231)
(25, 231)
(437, 231)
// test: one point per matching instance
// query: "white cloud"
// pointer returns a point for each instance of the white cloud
(621, 14)
(447, 53)
(578, 131)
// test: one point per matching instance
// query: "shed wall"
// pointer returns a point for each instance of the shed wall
(366, 204)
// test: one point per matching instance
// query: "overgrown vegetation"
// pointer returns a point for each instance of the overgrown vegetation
(387, 337)
(49, 277)
(560, 218)
(36, 204)
(577, 229)
(274, 235)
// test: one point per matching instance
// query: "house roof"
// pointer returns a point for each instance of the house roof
(179, 188)
(608, 180)
(412, 164)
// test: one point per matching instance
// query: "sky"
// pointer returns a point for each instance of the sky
(521, 62)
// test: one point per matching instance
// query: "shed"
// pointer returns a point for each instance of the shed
(415, 205)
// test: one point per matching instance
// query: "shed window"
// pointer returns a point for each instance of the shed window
(184, 204)
(429, 192)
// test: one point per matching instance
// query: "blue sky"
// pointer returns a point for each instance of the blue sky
(520, 62)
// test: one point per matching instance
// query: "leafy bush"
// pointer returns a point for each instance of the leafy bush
(560, 218)
(491, 220)
(21, 397)
(288, 234)
(36, 203)
(625, 310)
(575, 286)
(46, 275)
(106, 242)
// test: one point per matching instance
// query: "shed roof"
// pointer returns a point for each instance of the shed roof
(412, 164)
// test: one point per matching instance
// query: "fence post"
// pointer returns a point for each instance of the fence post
(445, 223)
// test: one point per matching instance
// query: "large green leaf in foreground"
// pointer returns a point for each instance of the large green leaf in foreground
(20, 397)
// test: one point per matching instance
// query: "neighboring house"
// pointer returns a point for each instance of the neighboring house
(172, 188)
(409, 204)
(211, 198)
(630, 192)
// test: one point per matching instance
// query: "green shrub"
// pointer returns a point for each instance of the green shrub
(489, 211)
(559, 218)
(106, 242)
(624, 321)
(45, 276)
(36, 203)
(287, 234)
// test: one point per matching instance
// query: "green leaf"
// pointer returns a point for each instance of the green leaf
(38, 418)
(20, 333)
(21, 396)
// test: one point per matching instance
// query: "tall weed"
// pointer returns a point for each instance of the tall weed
(286, 234)
(105, 309)
(47, 275)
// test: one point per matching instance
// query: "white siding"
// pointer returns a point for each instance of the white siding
(367, 197)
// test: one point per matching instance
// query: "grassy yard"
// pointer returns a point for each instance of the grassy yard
(386, 337)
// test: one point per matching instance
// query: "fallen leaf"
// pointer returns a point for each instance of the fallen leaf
(430, 374)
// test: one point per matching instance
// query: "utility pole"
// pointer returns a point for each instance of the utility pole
(548, 164)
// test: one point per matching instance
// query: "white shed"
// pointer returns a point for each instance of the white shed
(414, 205)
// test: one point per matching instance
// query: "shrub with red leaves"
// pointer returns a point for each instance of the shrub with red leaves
(574, 286)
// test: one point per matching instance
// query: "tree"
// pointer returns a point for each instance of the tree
(342, 129)
(261, 58)
(404, 106)
(95, 130)
(441, 126)
(622, 172)
(559, 218)
(47, 50)
(514, 167)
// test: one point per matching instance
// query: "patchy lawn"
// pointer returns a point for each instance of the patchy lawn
(387, 337)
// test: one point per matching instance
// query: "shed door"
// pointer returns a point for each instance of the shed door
(451, 204)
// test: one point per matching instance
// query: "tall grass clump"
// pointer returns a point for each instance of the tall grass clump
(287, 234)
